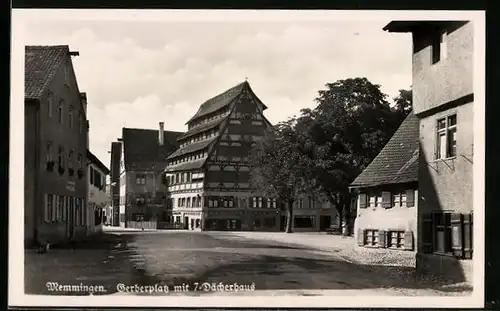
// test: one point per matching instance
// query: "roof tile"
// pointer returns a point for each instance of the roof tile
(41, 65)
(397, 162)
(141, 148)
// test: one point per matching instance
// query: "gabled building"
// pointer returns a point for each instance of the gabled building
(56, 142)
(443, 96)
(138, 159)
(98, 199)
(208, 177)
(387, 192)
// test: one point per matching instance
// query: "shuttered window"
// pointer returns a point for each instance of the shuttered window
(371, 237)
(447, 234)
(362, 200)
(386, 199)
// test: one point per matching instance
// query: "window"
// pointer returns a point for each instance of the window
(70, 159)
(47, 216)
(442, 233)
(260, 202)
(60, 206)
(49, 152)
(80, 122)
(60, 156)
(91, 177)
(60, 116)
(304, 221)
(446, 137)
(178, 202)
(439, 47)
(373, 200)
(300, 203)
(396, 239)
(140, 179)
(79, 161)
(371, 237)
(188, 204)
(49, 105)
(210, 202)
(273, 203)
(254, 202)
(70, 117)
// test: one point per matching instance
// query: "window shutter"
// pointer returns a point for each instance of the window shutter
(361, 237)
(427, 237)
(410, 198)
(467, 222)
(408, 240)
(386, 199)
(382, 238)
(362, 200)
(456, 235)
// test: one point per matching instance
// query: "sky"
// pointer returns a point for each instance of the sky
(138, 73)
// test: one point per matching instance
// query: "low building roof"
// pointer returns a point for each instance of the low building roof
(141, 149)
(94, 160)
(397, 162)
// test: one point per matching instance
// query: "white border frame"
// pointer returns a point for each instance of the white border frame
(338, 298)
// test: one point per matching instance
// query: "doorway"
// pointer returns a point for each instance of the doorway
(186, 222)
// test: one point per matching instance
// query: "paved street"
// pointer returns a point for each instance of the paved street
(176, 258)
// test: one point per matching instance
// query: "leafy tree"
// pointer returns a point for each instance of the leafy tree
(351, 124)
(403, 102)
(279, 168)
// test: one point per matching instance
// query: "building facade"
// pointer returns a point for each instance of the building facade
(387, 192)
(443, 101)
(208, 177)
(98, 199)
(56, 141)
(137, 161)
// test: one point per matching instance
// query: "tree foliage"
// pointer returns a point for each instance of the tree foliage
(279, 168)
(325, 148)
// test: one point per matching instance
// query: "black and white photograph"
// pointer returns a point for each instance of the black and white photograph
(247, 158)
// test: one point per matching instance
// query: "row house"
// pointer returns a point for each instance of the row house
(387, 192)
(56, 143)
(443, 101)
(208, 177)
(98, 199)
(138, 159)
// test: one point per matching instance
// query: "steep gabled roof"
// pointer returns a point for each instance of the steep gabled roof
(398, 160)
(93, 159)
(41, 65)
(222, 100)
(142, 150)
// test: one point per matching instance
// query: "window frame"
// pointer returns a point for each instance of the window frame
(400, 239)
(70, 117)
(371, 238)
(50, 102)
(447, 228)
(60, 111)
(60, 156)
(444, 134)
(49, 152)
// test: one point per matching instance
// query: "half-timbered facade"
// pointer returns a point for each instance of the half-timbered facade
(208, 177)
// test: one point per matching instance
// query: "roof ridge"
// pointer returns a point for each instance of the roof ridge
(204, 108)
(144, 129)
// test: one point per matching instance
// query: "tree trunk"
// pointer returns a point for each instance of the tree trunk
(289, 214)
(345, 206)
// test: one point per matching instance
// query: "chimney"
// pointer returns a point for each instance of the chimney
(161, 135)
